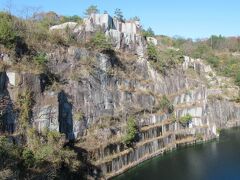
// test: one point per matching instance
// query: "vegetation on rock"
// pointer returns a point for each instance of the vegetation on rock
(119, 15)
(92, 10)
(40, 59)
(131, 133)
(100, 42)
(152, 52)
(46, 151)
(164, 60)
(166, 105)
(148, 33)
(185, 120)
(43, 156)
(25, 102)
(8, 35)
(222, 53)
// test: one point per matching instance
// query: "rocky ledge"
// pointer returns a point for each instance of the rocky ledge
(91, 96)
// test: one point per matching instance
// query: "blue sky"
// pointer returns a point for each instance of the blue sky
(186, 18)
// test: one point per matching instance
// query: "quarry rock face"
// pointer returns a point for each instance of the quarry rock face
(100, 92)
(103, 20)
(123, 35)
(94, 95)
(7, 114)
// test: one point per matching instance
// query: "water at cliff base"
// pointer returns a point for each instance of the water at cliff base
(217, 160)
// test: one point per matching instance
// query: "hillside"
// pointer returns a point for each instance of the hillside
(92, 97)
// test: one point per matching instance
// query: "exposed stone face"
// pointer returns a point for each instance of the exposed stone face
(3, 82)
(100, 92)
(46, 112)
(7, 114)
(95, 20)
(65, 116)
(123, 35)
(70, 25)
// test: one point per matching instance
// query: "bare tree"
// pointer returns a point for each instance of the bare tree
(9, 6)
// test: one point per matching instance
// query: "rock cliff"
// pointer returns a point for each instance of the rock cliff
(94, 94)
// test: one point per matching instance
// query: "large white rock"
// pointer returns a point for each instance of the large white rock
(70, 25)
(115, 36)
(124, 35)
(152, 40)
(123, 40)
(103, 20)
(12, 78)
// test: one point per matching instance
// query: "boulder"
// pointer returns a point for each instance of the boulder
(63, 26)
(152, 40)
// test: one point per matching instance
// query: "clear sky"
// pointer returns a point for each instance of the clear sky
(186, 18)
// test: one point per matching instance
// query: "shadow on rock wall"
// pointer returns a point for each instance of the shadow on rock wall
(7, 114)
(65, 116)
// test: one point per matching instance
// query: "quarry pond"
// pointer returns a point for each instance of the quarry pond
(218, 159)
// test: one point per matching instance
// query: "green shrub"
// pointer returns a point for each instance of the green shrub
(148, 33)
(9, 154)
(57, 37)
(214, 97)
(46, 19)
(50, 150)
(100, 42)
(199, 136)
(172, 57)
(219, 130)
(119, 15)
(185, 120)
(237, 79)
(3, 148)
(91, 10)
(74, 18)
(53, 137)
(25, 102)
(213, 60)
(8, 36)
(173, 118)
(40, 59)
(201, 51)
(131, 134)
(166, 105)
(164, 60)
(28, 158)
(78, 116)
(152, 52)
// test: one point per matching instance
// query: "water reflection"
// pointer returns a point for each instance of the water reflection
(218, 160)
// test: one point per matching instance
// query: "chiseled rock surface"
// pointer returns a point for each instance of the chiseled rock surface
(99, 92)
(103, 20)
(7, 114)
(124, 35)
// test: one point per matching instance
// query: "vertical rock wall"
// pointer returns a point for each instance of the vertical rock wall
(100, 92)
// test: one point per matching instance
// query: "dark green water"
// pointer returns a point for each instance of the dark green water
(217, 160)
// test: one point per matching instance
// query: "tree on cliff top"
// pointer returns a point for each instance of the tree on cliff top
(7, 32)
(148, 33)
(119, 14)
(91, 10)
